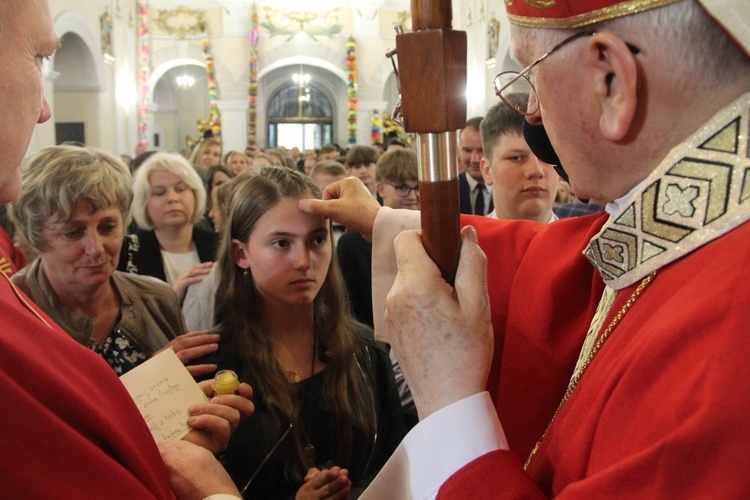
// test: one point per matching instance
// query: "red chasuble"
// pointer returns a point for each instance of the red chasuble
(69, 428)
(662, 410)
(12, 259)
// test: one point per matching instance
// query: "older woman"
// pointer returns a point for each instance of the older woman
(72, 211)
(169, 199)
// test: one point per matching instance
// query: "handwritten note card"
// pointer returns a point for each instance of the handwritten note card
(163, 390)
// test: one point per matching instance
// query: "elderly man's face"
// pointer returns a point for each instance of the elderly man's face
(27, 37)
(571, 124)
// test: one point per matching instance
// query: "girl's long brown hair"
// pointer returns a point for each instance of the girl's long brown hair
(240, 313)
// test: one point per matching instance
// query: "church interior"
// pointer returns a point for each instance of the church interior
(161, 74)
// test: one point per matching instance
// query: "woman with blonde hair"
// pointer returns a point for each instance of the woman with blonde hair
(206, 153)
(169, 200)
(323, 390)
(237, 162)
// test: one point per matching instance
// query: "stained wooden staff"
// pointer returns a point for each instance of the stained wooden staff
(432, 78)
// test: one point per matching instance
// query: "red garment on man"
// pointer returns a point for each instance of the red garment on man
(12, 258)
(69, 428)
(659, 410)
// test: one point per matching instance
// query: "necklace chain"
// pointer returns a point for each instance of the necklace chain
(295, 375)
(599, 343)
(309, 449)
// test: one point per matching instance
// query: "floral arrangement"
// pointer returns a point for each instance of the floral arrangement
(376, 127)
(252, 109)
(213, 95)
(144, 74)
(351, 87)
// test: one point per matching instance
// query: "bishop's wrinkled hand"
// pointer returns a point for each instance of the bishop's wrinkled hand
(441, 335)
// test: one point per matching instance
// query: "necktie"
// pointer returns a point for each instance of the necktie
(479, 201)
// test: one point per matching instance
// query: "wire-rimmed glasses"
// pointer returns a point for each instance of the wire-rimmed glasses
(509, 82)
(518, 81)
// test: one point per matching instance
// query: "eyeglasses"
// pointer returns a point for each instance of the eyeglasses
(509, 82)
(403, 190)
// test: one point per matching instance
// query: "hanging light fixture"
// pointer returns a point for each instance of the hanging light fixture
(185, 81)
(302, 79)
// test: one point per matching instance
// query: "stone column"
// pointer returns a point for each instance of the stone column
(233, 124)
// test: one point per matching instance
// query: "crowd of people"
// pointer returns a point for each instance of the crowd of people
(600, 341)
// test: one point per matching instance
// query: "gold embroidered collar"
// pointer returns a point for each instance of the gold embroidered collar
(699, 192)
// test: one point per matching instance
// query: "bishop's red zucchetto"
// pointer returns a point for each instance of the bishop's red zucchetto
(568, 14)
(732, 15)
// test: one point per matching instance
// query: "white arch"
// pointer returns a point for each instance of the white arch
(166, 66)
(307, 61)
(71, 22)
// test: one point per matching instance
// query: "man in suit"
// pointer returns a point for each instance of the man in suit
(475, 195)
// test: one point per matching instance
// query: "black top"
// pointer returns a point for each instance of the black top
(141, 254)
(256, 437)
(355, 260)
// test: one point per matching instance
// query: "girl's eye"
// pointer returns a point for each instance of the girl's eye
(320, 240)
(281, 244)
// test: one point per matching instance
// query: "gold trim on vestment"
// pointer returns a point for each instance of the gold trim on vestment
(698, 193)
(23, 300)
(604, 14)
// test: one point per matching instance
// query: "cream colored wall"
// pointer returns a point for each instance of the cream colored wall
(113, 124)
(81, 107)
(96, 109)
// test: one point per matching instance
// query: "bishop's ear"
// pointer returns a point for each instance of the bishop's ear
(615, 70)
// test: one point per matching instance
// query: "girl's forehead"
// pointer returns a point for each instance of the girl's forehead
(285, 217)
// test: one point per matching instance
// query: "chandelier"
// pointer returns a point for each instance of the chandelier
(185, 81)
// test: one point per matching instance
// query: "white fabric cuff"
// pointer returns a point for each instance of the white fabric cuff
(439, 446)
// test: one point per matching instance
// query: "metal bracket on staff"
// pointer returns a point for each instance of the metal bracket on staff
(432, 84)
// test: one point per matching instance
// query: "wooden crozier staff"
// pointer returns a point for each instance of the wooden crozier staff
(432, 78)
